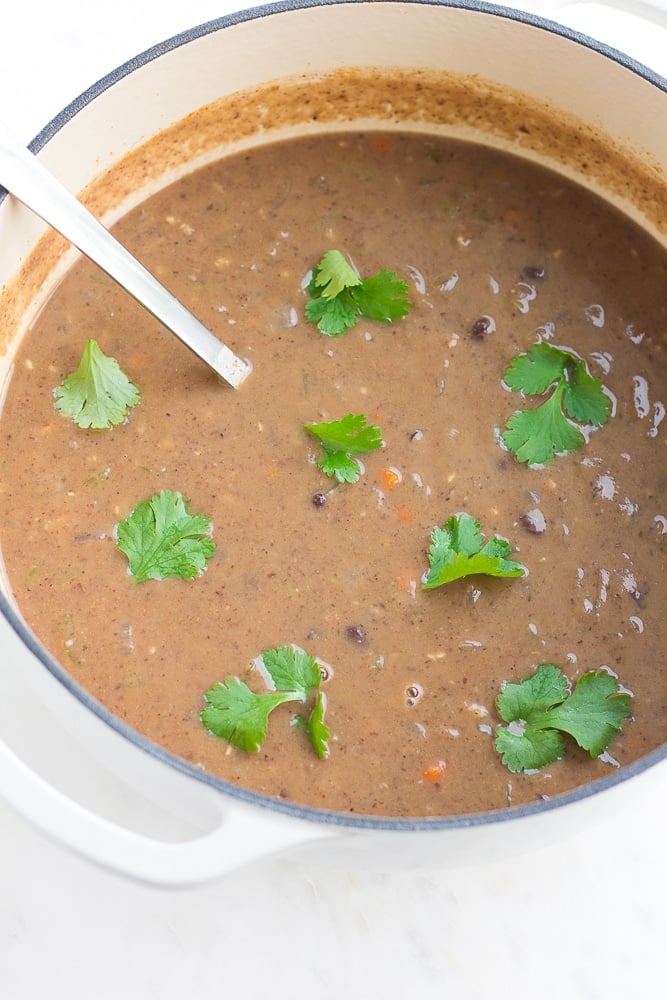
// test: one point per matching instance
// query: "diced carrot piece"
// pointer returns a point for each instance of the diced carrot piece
(405, 514)
(390, 477)
(381, 143)
(139, 360)
(435, 772)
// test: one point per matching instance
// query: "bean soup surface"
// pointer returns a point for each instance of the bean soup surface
(498, 254)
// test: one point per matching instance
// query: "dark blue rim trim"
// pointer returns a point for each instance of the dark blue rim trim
(301, 812)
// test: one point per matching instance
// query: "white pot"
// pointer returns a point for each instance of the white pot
(599, 95)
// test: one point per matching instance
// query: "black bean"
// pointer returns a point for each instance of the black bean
(533, 273)
(482, 327)
(357, 633)
(318, 500)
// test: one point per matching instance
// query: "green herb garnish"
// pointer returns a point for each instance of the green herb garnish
(459, 550)
(161, 538)
(317, 729)
(292, 669)
(535, 436)
(541, 708)
(236, 714)
(341, 439)
(240, 716)
(98, 393)
(339, 296)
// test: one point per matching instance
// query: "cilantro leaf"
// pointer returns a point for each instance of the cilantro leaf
(339, 465)
(593, 713)
(547, 687)
(536, 436)
(459, 550)
(338, 296)
(236, 714)
(351, 434)
(317, 728)
(161, 538)
(333, 275)
(291, 669)
(341, 439)
(383, 297)
(332, 316)
(584, 400)
(540, 708)
(530, 750)
(534, 372)
(98, 393)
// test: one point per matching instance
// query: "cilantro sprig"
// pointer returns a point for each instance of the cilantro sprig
(98, 393)
(459, 549)
(341, 440)
(541, 709)
(161, 538)
(240, 716)
(338, 296)
(536, 436)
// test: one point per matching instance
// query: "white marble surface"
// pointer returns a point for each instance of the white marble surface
(582, 919)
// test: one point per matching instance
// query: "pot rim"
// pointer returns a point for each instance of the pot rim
(284, 6)
(142, 743)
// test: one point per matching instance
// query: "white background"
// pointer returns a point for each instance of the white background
(581, 920)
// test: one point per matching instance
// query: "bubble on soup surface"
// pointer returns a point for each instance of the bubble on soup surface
(413, 694)
(326, 670)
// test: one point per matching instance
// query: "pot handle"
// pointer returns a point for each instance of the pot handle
(239, 835)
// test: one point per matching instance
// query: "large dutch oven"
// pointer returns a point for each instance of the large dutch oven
(586, 103)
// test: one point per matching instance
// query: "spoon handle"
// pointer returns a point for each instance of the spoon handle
(22, 174)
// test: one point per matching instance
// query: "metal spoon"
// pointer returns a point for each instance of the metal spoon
(22, 174)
